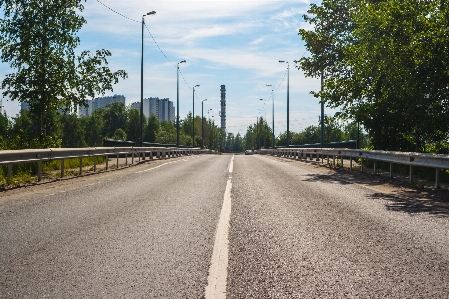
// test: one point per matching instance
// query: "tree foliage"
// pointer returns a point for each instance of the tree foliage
(386, 64)
(114, 121)
(38, 40)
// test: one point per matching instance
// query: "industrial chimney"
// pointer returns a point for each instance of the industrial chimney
(223, 108)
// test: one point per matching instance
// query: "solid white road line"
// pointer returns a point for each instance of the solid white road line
(218, 271)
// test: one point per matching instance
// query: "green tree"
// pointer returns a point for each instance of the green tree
(119, 134)
(115, 116)
(133, 125)
(385, 63)
(151, 129)
(73, 131)
(22, 135)
(167, 133)
(186, 125)
(238, 143)
(38, 39)
(94, 125)
(4, 130)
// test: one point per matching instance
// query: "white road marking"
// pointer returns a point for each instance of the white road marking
(218, 271)
(160, 165)
(231, 164)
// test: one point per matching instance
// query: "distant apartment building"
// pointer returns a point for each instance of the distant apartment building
(97, 103)
(162, 108)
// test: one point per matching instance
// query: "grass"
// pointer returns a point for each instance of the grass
(27, 173)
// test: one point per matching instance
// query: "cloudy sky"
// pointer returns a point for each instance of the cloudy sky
(237, 43)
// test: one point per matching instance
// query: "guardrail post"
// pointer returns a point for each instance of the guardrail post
(62, 168)
(391, 170)
(437, 177)
(375, 164)
(333, 158)
(143, 156)
(95, 163)
(81, 165)
(361, 164)
(9, 171)
(327, 159)
(116, 165)
(107, 162)
(132, 158)
(411, 173)
(350, 163)
(126, 159)
(342, 161)
(39, 170)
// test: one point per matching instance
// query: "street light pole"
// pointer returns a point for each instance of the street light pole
(141, 81)
(257, 127)
(288, 101)
(193, 117)
(264, 126)
(177, 102)
(202, 123)
(272, 112)
(322, 113)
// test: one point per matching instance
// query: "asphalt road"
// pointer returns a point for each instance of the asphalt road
(149, 231)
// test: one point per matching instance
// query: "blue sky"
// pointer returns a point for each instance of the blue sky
(237, 43)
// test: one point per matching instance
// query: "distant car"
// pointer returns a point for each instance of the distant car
(248, 152)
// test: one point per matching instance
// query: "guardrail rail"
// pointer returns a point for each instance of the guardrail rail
(436, 161)
(10, 157)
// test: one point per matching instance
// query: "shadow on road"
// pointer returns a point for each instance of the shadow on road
(399, 196)
(433, 202)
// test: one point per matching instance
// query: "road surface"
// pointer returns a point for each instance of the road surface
(222, 226)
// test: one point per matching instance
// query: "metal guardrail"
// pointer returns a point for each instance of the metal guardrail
(11, 157)
(411, 159)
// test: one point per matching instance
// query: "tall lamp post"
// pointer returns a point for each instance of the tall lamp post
(141, 81)
(264, 126)
(177, 102)
(202, 123)
(288, 101)
(193, 117)
(322, 114)
(272, 112)
(257, 127)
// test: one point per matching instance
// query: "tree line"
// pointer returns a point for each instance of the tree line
(260, 134)
(385, 64)
(115, 121)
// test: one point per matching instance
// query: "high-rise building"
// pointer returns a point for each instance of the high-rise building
(99, 103)
(162, 108)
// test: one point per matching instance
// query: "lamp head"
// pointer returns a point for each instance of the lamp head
(150, 13)
(196, 86)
